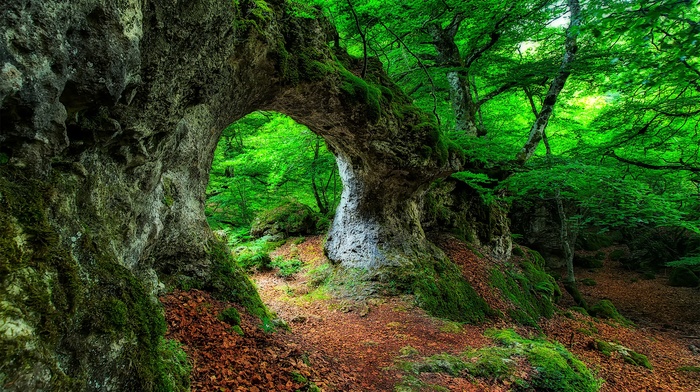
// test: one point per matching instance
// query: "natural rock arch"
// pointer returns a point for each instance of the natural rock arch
(109, 116)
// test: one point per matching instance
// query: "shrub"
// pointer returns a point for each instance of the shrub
(287, 268)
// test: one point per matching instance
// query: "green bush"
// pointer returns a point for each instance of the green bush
(287, 268)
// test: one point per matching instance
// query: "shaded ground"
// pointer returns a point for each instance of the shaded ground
(353, 345)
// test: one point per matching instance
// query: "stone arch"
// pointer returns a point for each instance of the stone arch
(109, 116)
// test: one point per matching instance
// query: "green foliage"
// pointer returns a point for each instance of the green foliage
(287, 268)
(262, 159)
(259, 260)
(552, 364)
(230, 316)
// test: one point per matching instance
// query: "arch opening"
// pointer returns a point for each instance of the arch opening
(263, 161)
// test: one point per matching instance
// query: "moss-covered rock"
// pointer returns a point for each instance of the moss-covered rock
(589, 261)
(290, 219)
(231, 316)
(630, 356)
(606, 310)
(683, 277)
(551, 365)
(531, 291)
(442, 291)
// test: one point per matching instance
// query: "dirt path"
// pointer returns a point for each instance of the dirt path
(345, 345)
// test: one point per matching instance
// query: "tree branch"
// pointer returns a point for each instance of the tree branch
(430, 78)
(681, 166)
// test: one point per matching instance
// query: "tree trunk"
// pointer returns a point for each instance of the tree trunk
(540, 125)
(568, 240)
(462, 104)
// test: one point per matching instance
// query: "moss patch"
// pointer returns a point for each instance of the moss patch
(605, 309)
(443, 292)
(630, 356)
(551, 364)
(529, 288)
(683, 277)
(358, 90)
(72, 298)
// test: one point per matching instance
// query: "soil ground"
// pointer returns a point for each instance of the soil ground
(341, 344)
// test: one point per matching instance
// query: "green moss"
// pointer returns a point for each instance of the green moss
(580, 310)
(638, 359)
(40, 286)
(551, 365)
(443, 292)
(230, 316)
(604, 347)
(530, 290)
(229, 283)
(605, 309)
(238, 330)
(588, 282)
(358, 90)
(630, 356)
(175, 366)
(518, 251)
(168, 198)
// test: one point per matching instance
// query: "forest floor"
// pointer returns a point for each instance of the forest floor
(342, 344)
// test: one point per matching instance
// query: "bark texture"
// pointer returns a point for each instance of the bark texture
(109, 115)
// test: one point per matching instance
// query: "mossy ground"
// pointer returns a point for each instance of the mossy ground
(551, 364)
